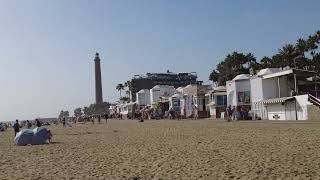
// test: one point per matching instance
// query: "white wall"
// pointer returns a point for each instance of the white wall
(231, 97)
(302, 107)
(276, 109)
(270, 88)
(287, 111)
(242, 86)
(233, 87)
(158, 91)
(256, 89)
(262, 89)
(143, 98)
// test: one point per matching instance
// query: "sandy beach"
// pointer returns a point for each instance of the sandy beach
(165, 149)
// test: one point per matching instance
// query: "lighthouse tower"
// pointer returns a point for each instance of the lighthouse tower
(99, 99)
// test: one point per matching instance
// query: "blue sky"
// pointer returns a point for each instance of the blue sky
(47, 47)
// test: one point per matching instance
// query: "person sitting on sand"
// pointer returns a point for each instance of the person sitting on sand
(16, 127)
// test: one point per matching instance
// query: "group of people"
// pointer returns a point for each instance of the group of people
(17, 126)
(92, 118)
(235, 114)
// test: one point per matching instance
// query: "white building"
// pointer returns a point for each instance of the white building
(193, 102)
(217, 101)
(239, 91)
(143, 97)
(161, 91)
(126, 109)
(112, 110)
(174, 102)
(271, 95)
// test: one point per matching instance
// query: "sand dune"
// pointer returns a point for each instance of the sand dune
(203, 149)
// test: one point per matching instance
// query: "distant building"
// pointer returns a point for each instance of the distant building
(272, 96)
(217, 101)
(143, 97)
(150, 80)
(239, 91)
(193, 102)
(161, 91)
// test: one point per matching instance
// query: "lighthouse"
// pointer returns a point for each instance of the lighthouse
(99, 98)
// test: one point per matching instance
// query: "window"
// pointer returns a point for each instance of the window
(222, 100)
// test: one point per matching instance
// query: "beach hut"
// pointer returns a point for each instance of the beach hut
(193, 103)
(143, 97)
(217, 101)
(174, 102)
(272, 96)
(160, 91)
(127, 110)
(239, 94)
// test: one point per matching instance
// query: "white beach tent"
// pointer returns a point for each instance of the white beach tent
(40, 136)
(36, 136)
(24, 137)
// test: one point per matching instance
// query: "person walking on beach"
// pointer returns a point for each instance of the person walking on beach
(106, 117)
(229, 113)
(64, 122)
(233, 113)
(99, 119)
(16, 127)
(38, 123)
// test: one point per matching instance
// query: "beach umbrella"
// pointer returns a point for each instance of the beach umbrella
(40, 136)
(24, 137)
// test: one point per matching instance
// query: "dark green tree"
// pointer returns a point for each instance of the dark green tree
(233, 65)
(120, 87)
(63, 114)
(78, 112)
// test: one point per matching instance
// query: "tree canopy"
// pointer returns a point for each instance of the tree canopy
(63, 114)
(304, 54)
(92, 109)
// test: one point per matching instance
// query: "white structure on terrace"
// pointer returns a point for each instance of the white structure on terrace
(161, 91)
(239, 91)
(143, 97)
(271, 94)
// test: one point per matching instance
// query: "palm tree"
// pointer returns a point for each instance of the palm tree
(128, 84)
(214, 76)
(266, 62)
(288, 54)
(301, 49)
(312, 44)
(120, 87)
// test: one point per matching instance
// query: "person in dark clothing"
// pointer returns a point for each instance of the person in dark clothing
(49, 136)
(38, 123)
(16, 128)
(29, 125)
(99, 119)
(64, 122)
(106, 117)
